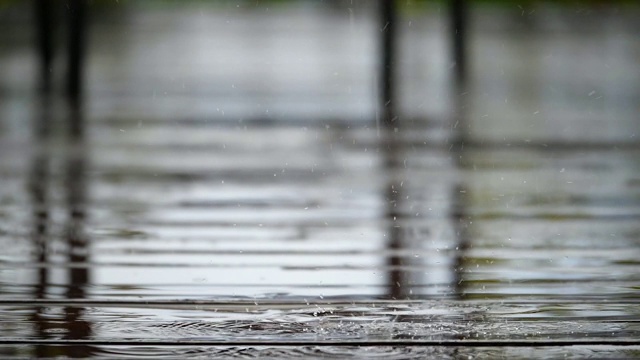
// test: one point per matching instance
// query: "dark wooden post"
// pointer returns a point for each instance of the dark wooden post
(387, 73)
(77, 14)
(397, 277)
(458, 42)
(44, 35)
(75, 62)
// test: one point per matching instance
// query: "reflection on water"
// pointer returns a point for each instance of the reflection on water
(399, 279)
(71, 323)
(331, 229)
(224, 234)
(492, 257)
(79, 327)
(38, 180)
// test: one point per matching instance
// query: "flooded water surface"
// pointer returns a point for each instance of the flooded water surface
(216, 211)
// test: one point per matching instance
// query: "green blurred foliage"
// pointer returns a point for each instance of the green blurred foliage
(402, 3)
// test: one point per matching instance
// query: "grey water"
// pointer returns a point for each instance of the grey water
(238, 200)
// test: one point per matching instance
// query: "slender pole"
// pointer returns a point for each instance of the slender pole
(458, 41)
(77, 10)
(397, 277)
(460, 218)
(387, 73)
(44, 26)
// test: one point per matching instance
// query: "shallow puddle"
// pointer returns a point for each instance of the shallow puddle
(317, 252)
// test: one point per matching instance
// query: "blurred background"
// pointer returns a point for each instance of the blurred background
(531, 62)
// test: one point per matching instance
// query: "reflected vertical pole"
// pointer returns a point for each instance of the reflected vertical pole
(76, 204)
(38, 187)
(39, 179)
(79, 327)
(461, 223)
(387, 70)
(77, 22)
(398, 283)
(75, 182)
(44, 25)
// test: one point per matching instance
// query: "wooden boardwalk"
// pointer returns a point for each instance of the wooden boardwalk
(257, 208)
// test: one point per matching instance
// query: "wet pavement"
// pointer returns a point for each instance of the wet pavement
(242, 199)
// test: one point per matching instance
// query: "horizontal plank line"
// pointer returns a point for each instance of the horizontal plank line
(315, 301)
(332, 343)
